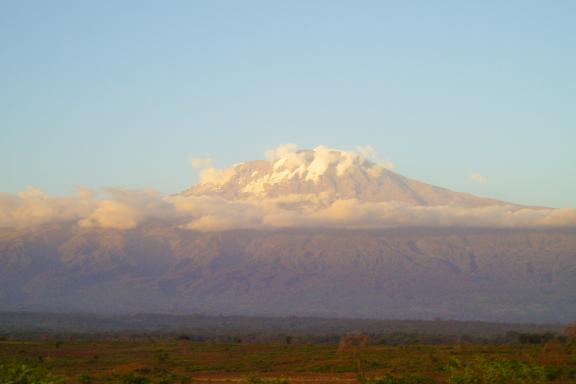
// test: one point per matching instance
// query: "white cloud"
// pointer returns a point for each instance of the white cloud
(366, 151)
(33, 206)
(209, 174)
(281, 151)
(112, 214)
(124, 209)
(201, 162)
(478, 178)
(216, 176)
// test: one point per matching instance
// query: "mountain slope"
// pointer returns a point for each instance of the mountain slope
(412, 273)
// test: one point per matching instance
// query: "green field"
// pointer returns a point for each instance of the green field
(183, 361)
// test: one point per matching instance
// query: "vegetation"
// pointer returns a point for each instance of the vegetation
(495, 372)
(255, 379)
(570, 331)
(405, 379)
(20, 372)
(183, 360)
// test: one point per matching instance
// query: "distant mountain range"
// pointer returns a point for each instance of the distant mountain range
(321, 242)
(254, 329)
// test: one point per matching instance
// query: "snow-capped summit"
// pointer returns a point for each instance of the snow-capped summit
(328, 174)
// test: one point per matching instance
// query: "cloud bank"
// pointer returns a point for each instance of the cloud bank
(124, 209)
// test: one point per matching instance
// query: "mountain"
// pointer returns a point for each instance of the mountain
(296, 243)
(472, 274)
(328, 175)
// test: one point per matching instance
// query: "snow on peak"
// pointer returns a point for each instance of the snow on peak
(321, 160)
(325, 173)
(288, 162)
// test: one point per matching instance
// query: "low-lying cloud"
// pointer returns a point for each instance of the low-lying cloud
(124, 209)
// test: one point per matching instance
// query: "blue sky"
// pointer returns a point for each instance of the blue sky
(124, 93)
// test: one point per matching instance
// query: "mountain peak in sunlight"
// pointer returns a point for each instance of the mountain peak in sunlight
(325, 175)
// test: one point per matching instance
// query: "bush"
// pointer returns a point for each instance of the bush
(409, 379)
(14, 372)
(258, 380)
(86, 379)
(553, 372)
(135, 378)
(171, 378)
(495, 372)
(570, 331)
(556, 372)
(162, 355)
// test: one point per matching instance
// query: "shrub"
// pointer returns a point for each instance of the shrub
(557, 372)
(135, 378)
(162, 355)
(254, 379)
(495, 372)
(408, 379)
(86, 379)
(15, 372)
(171, 378)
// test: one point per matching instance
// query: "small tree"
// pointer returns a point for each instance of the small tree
(570, 331)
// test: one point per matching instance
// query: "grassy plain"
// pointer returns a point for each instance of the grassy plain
(183, 361)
